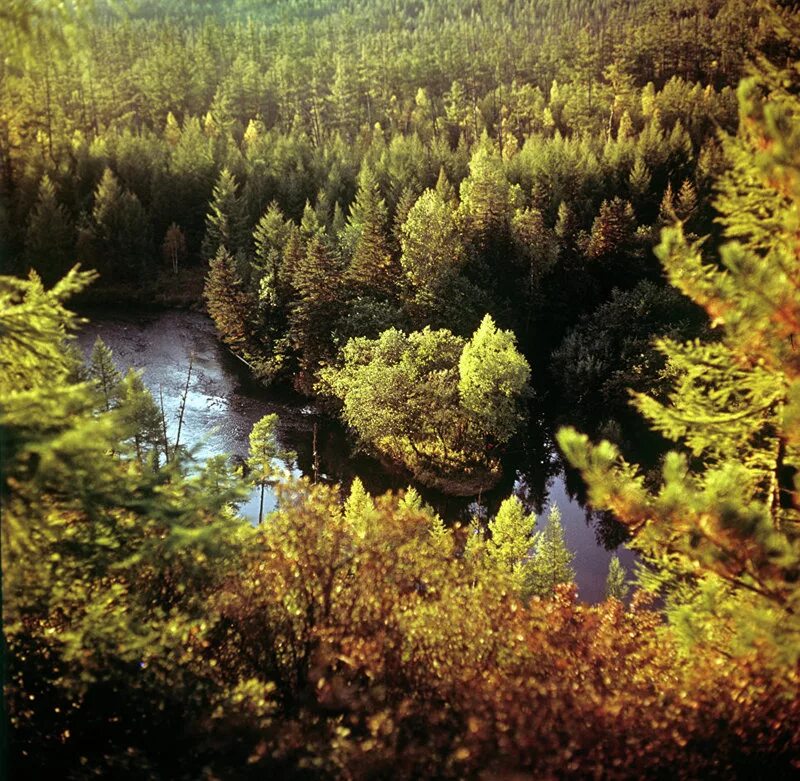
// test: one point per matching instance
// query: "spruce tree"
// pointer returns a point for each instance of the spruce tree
(121, 230)
(225, 219)
(371, 268)
(230, 306)
(616, 585)
(270, 237)
(50, 236)
(104, 373)
(315, 310)
(551, 563)
(264, 451)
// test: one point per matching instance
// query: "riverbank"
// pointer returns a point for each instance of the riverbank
(225, 400)
(166, 291)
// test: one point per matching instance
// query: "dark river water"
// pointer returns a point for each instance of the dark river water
(224, 402)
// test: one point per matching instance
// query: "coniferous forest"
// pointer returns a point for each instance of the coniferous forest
(470, 231)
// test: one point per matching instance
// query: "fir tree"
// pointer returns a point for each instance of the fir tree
(140, 416)
(359, 510)
(225, 220)
(551, 563)
(264, 451)
(50, 236)
(230, 306)
(371, 268)
(616, 585)
(104, 373)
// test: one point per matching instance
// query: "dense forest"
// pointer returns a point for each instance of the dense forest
(345, 169)
(444, 221)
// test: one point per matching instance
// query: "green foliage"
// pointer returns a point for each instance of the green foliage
(551, 562)
(492, 379)
(433, 253)
(722, 526)
(105, 559)
(50, 235)
(120, 231)
(134, 599)
(104, 373)
(616, 584)
(371, 269)
(418, 398)
(225, 221)
(231, 307)
(264, 451)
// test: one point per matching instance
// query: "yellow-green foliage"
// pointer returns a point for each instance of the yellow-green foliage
(433, 401)
(723, 528)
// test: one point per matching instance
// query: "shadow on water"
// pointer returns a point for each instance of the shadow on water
(224, 402)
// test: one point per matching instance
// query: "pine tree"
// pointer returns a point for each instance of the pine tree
(371, 269)
(614, 225)
(230, 306)
(551, 562)
(140, 416)
(104, 373)
(225, 220)
(487, 199)
(264, 451)
(639, 179)
(686, 202)
(315, 311)
(121, 229)
(511, 530)
(616, 585)
(270, 237)
(50, 236)
(359, 510)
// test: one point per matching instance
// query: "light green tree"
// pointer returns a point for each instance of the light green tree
(432, 255)
(225, 220)
(265, 451)
(140, 416)
(493, 380)
(359, 510)
(616, 583)
(512, 537)
(104, 372)
(551, 562)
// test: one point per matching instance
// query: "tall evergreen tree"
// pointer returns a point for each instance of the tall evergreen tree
(121, 230)
(371, 268)
(50, 235)
(230, 306)
(104, 373)
(616, 585)
(551, 563)
(315, 311)
(225, 221)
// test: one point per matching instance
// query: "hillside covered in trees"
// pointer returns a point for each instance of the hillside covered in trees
(345, 169)
(441, 220)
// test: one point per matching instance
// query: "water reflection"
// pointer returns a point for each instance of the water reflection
(224, 402)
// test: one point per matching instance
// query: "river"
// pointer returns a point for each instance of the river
(224, 402)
